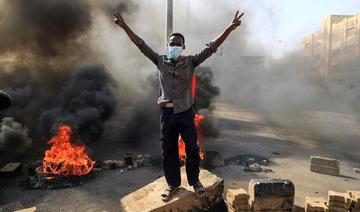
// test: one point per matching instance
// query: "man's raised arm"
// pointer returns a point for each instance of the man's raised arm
(144, 48)
(212, 47)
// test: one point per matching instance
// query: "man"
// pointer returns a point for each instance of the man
(177, 115)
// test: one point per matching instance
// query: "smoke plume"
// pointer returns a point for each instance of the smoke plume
(14, 138)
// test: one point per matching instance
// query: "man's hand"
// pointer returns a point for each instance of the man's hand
(236, 21)
(118, 19)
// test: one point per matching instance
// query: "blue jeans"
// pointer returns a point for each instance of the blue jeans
(171, 126)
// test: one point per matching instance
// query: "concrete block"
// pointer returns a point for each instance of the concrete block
(324, 170)
(335, 198)
(237, 197)
(271, 187)
(267, 203)
(148, 198)
(323, 161)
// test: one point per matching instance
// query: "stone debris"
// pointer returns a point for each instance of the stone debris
(148, 198)
(325, 165)
(238, 200)
(315, 204)
(356, 170)
(271, 194)
(11, 170)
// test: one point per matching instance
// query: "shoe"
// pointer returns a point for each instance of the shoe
(199, 189)
(169, 192)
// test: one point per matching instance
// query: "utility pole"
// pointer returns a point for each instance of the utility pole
(169, 20)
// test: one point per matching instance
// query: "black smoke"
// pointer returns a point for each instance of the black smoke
(45, 52)
(14, 138)
(85, 102)
(206, 91)
(44, 28)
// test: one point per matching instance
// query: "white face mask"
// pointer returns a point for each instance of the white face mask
(174, 52)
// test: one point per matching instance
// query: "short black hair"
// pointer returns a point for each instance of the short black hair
(178, 34)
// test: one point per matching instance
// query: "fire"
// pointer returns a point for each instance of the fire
(64, 158)
(182, 154)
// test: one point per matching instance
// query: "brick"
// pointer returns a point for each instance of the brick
(271, 187)
(11, 170)
(323, 161)
(266, 203)
(334, 197)
(324, 170)
(314, 204)
(237, 196)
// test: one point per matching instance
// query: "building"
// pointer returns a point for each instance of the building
(337, 43)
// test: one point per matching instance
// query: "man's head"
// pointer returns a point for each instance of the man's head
(176, 45)
(176, 39)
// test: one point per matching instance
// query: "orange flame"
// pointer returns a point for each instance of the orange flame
(182, 153)
(64, 158)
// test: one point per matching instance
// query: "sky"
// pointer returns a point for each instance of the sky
(290, 20)
(268, 21)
